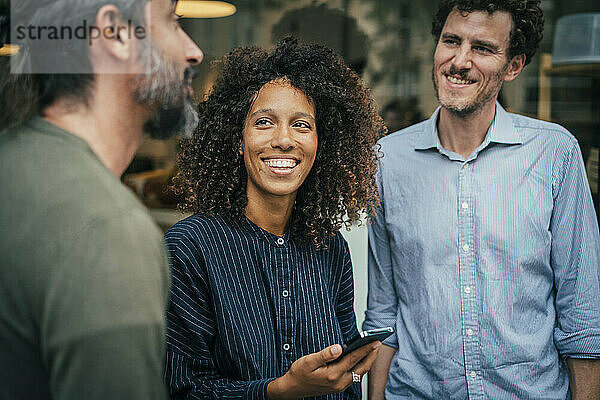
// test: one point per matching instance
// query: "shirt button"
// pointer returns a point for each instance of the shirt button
(466, 248)
(465, 205)
(465, 165)
(280, 241)
(285, 293)
(286, 346)
(473, 374)
(470, 332)
(467, 289)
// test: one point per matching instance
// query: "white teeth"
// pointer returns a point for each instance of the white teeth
(281, 163)
(457, 81)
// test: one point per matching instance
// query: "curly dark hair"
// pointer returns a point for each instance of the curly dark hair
(527, 17)
(341, 184)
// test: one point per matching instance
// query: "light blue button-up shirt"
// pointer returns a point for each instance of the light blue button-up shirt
(487, 267)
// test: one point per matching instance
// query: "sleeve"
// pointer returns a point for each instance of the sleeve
(382, 303)
(345, 310)
(575, 259)
(191, 371)
(103, 323)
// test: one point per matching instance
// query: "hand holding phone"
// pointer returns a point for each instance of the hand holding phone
(366, 337)
(327, 371)
(323, 373)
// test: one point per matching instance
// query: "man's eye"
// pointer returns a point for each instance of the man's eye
(482, 49)
(450, 41)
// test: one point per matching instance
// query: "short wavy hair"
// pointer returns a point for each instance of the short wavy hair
(527, 16)
(341, 184)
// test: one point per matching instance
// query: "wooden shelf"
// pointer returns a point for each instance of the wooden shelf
(547, 71)
(591, 70)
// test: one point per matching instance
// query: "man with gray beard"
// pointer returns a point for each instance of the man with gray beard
(83, 271)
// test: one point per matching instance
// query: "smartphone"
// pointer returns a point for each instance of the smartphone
(367, 337)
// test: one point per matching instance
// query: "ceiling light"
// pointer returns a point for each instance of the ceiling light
(204, 9)
(9, 50)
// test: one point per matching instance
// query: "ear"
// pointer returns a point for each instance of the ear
(515, 66)
(112, 34)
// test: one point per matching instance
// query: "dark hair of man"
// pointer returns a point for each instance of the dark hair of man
(24, 95)
(527, 16)
(341, 184)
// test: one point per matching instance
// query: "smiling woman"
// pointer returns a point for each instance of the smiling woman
(340, 186)
(262, 294)
(279, 146)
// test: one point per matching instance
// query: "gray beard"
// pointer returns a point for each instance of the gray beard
(162, 89)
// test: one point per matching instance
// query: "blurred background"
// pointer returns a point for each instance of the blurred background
(388, 42)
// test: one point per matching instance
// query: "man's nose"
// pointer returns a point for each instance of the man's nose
(462, 57)
(193, 53)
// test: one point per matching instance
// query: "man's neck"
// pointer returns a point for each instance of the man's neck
(271, 213)
(463, 134)
(111, 123)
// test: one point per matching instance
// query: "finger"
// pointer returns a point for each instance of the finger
(361, 368)
(321, 358)
(366, 363)
(350, 360)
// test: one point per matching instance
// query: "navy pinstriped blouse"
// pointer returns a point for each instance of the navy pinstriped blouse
(245, 304)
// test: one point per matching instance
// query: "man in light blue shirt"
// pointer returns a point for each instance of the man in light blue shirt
(485, 253)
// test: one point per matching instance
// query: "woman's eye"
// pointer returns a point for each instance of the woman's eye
(302, 124)
(263, 121)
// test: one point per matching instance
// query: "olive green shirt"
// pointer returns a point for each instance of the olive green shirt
(84, 275)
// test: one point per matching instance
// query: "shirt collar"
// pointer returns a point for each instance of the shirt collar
(271, 238)
(501, 130)
(504, 131)
(429, 139)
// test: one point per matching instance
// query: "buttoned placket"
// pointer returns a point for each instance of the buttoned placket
(285, 317)
(468, 287)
